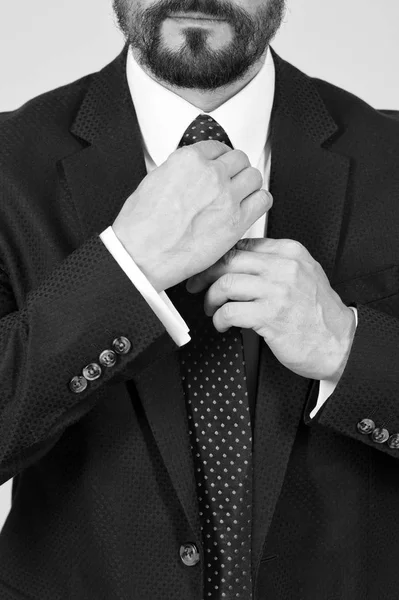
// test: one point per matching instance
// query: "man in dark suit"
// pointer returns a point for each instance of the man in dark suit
(147, 462)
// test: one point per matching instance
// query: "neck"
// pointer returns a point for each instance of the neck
(210, 100)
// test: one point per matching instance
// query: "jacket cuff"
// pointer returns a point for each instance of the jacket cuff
(364, 404)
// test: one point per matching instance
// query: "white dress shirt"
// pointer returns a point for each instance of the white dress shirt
(163, 117)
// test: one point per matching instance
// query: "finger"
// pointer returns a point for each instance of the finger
(283, 247)
(236, 314)
(246, 182)
(254, 206)
(234, 286)
(234, 261)
(210, 149)
(235, 161)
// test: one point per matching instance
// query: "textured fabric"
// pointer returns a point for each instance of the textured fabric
(215, 386)
(104, 492)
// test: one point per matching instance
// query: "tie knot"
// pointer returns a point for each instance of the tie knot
(204, 128)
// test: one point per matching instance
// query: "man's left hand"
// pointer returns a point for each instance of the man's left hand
(276, 288)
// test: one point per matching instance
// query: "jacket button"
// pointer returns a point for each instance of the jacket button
(92, 372)
(121, 345)
(189, 554)
(366, 426)
(393, 441)
(380, 435)
(78, 384)
(107, 358)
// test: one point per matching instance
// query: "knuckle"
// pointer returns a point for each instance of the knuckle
(258, 177)
(317, 268)
(292, 268)
(227, 311)
(228, 258)
(281, 293)
(293, 247)
(212, 174)
(187, 157)
(219, 169)
(241, 154)
(226, 282)
(267, 198)
(245, 244)
(187, 151)
(264, 199)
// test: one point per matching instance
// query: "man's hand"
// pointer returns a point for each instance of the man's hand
(190, 210)
(283, 294)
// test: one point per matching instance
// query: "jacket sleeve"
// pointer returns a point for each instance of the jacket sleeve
(365, 403)
(66, 323)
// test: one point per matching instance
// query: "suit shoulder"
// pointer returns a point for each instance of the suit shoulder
(357, 117)
(42, 121)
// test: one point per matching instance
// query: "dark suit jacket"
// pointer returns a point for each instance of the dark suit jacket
(103, 491)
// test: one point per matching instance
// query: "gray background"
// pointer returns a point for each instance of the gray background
(44, 44)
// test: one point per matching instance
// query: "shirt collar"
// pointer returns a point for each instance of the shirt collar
(163, 116)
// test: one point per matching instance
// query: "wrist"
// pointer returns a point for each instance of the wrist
(143, 262)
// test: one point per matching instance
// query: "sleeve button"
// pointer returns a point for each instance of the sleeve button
(121, 345)
(366, 426)
(380, 435)
(78, 384)
(189, 554)
(393, 441)
(92, 372)
(107, 358)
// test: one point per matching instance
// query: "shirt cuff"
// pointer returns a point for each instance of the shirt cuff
(327, 386)
(159, 302)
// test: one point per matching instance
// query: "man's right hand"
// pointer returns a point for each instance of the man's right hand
(187, 213)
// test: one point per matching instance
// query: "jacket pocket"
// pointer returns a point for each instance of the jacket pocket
(268, 558)
(372, 287)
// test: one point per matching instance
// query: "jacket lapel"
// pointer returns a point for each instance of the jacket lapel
(308, 183)
(111, 164)
(101, 176)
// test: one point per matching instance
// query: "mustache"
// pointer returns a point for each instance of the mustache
(211, 8)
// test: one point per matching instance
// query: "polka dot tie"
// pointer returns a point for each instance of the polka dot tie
(213, 374)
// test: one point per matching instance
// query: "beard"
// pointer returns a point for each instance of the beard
(194, 64)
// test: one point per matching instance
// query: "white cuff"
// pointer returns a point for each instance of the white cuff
(159, 302)
(327, 386)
